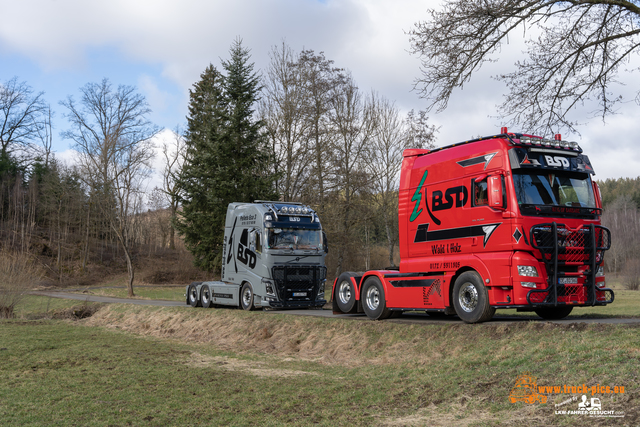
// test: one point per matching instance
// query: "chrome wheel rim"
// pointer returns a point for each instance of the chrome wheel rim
(468, 297)
(193, 295)
(246, 297)
(205, 295)
(373, 298)
(344, 292)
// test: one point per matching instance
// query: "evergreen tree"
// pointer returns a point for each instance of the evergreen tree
(227, 159)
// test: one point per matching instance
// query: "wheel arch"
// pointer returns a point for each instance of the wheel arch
(452, 282)
(357, 279)
(372, 273)
(476, 265)
(245, 281)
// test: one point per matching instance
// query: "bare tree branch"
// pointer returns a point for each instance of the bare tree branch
(576, 51)
(22, 115)
(113, 138)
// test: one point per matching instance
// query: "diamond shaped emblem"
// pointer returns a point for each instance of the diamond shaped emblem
(517, 235)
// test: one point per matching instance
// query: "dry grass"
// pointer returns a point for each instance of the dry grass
(18, 275)
(239, 331)
(257, 368)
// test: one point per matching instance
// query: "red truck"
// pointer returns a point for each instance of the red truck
(504, 221)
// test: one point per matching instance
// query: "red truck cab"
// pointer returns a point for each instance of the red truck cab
(505, 221)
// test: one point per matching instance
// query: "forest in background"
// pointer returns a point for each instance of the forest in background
(326, 143)
(323, 142)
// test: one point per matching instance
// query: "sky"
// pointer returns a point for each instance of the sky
(162, 46)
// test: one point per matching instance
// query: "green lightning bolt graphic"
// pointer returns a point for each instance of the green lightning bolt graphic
(417, 197)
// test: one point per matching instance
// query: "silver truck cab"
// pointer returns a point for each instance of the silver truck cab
(273, 256)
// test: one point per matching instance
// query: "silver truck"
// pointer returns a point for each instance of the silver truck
(273, 257)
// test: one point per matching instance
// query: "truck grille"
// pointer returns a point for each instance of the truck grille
(563, 250)
(574, 247)
(298, 283)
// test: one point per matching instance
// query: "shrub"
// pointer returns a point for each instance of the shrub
(18, 275)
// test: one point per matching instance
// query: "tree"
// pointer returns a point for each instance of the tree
(576, 51)
(321, 82)
(384, 162)
(283, 110)
(622, 218)
(245, 172)
(352, 118)
(112, 135)
(227, 157)
(418, 133)
(173, 161)
(21, 115)
(197, 175)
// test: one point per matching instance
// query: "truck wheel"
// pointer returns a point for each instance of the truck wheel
(194, 298)
(471, 299)
(205, 296)
(554, 313)
(345, 293)
(373, 300)
(246, 297)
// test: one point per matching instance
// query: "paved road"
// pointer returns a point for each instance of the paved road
(98, 298)
(413, 318)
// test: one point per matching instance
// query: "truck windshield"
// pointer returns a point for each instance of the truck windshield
(294, 238)
(554, 189)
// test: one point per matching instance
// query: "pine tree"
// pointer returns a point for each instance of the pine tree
(243, 141)
(227, 158)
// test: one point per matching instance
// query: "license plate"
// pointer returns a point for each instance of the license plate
(567, 280)
(299, 294)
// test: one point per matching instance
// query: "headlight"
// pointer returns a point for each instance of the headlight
(268, 287)
(527, 270)
(528, 285)
(600, 272)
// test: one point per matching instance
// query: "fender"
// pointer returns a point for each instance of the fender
(380, 275)
(500, 273)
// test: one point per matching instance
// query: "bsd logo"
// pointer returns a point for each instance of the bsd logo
(457, 195)
(558, 161)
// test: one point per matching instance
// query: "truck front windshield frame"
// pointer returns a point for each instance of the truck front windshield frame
(554, 188)
(294, 239)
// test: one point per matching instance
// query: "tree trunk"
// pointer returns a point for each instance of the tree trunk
(127, 256)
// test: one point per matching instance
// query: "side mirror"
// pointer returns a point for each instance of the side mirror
(252, 240)
(326, 242)
(597, 194)
(494, 185)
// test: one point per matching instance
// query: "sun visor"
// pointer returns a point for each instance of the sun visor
(548, 159)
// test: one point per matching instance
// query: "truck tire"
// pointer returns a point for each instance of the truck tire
(205, 296)
(471, 299)
(246, 297)
(345, 293)
(192, 295)
(373, 300)
(554, 313)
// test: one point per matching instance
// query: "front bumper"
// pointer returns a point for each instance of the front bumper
(296, 304)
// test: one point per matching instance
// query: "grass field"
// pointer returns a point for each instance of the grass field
(150, 366)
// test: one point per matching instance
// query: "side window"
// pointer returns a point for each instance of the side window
(480, 193)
